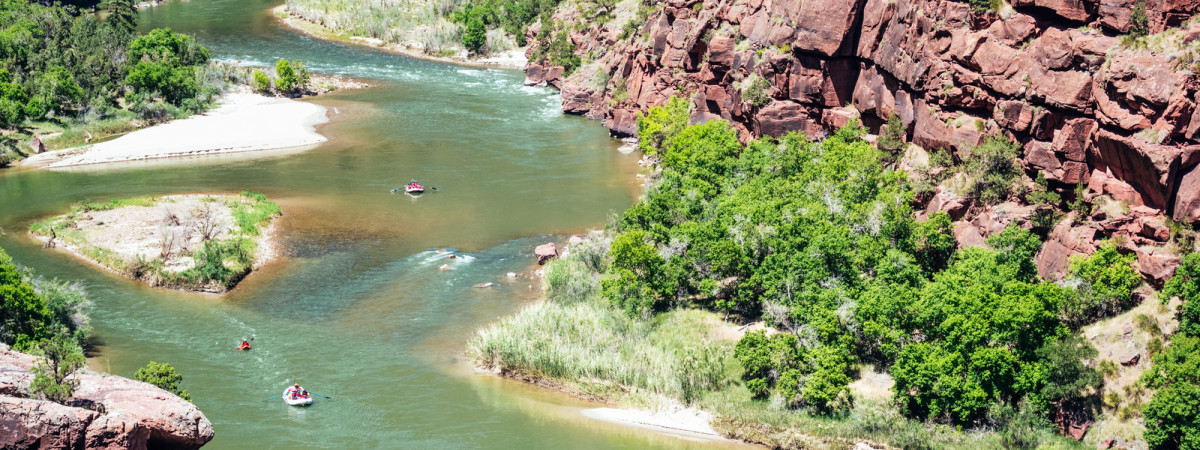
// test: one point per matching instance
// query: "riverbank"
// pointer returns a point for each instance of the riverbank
(192, 242)
(508, 59)
(243, 122)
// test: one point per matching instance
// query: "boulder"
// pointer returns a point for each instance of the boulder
(545, 252)
(1156, 264)
(1065, 241)
(1130, 359)
(780, 117)
(125, 414)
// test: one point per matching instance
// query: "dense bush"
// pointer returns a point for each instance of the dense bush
(819, 239)
(991, 169)
(32, 311)
(1173, 414)
(290, 76)
(1185, 284)
(164, 376)
(1104, 282)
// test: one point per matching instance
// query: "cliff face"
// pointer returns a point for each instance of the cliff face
(1051, 74)
(120, 414)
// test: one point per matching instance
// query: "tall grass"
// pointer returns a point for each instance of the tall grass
(577, 338)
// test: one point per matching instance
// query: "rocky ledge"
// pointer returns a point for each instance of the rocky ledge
(1053, 75)
(106, 412)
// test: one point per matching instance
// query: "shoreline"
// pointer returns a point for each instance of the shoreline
(266, 243)
(663, 415)
(319, 31)
(243, 122)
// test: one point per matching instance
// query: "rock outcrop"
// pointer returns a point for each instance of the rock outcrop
(1051, 74)
(106, 412)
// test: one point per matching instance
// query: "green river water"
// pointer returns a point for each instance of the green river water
(357, 309)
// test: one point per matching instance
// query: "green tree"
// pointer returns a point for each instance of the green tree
(475, 37)
(24, 315)
(892, 135)
(291, 76)
(1139, 22)
(60, 359)
(1173, 414)
(122, 14)
(164, 376)
(1106, 281)
(1185, 284)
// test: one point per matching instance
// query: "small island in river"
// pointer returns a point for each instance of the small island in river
(195, 242)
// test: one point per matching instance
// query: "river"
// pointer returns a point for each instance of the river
(358, 309)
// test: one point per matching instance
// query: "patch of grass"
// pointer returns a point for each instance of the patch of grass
(253, 212)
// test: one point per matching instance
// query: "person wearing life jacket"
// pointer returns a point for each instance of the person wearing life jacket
(293, 391)
(245, 345)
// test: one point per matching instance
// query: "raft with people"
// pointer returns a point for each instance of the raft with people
(297, 396)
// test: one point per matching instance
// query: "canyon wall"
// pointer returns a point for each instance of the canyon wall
(1050, 74)
(105, 412)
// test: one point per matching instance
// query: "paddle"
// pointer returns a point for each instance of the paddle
(319, 395)
(239, 347)
(275, 397)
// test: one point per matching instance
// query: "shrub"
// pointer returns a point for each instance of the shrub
(163, 376)
(568, 280)
(662, 123)
(475, 37)
(992, 169)
(764, 358)
(755, 90)
(1139, 22)
(893, 134)
(1173, 414)
(291, 76)
(1185, 284)
(1105, 282)
(60, 358)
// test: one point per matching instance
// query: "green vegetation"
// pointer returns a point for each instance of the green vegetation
(60, 358)
(1173, 415)
(1185, 284)
(1104, 282)
(556, 49)
(819, 240)
(63, 70)
(291, 76)
(163, 376)
(991, 170)
(892, 135)
(262, 83)
(36, 309)
(476, 35)
(755, 90)
(224, 226)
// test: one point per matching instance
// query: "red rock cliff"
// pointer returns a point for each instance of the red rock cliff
(1050, 74)
(122, 413)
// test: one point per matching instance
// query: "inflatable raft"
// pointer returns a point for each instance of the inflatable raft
(298, 401)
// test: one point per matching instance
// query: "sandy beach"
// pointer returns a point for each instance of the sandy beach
(243, 122)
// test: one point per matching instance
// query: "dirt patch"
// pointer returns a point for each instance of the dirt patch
(201, 242)
(1127, 337)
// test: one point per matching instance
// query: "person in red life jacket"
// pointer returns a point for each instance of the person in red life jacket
(245, 345)
(293, 391)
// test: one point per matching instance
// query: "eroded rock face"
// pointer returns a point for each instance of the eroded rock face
(1050, 75)
(124, 414)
